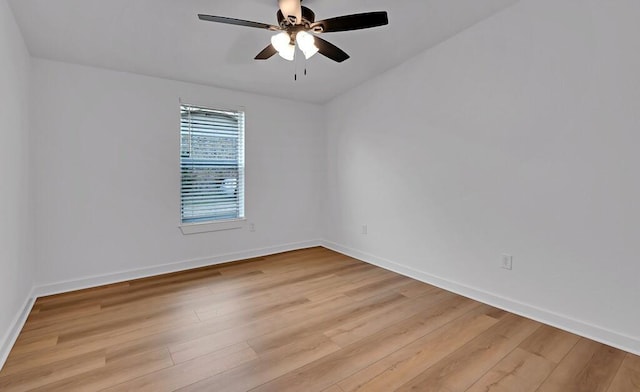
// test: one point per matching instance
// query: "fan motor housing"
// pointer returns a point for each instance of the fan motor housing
(308, 17)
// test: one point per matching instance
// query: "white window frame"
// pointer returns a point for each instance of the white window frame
(188, 228)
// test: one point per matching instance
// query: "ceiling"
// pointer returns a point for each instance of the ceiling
(164, 38)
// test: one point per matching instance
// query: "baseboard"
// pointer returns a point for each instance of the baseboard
(582, 328)
(9, 339)
(100, 280)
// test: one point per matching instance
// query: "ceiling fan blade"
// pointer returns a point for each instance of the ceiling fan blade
(291, 9)
(329, 50)
(237, 22)
(352, 22)
(266, 53)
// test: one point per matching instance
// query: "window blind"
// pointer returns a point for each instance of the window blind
(211, 164)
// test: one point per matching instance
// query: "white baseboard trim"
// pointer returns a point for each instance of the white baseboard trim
(600, 334)
(100, 280)
(9, 339)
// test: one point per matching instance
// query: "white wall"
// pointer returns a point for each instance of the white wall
(518, 136)
(16, 261)
(107, 174)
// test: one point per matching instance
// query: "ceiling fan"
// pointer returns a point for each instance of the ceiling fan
(297, 25)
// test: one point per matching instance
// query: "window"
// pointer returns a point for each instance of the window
(211, 165)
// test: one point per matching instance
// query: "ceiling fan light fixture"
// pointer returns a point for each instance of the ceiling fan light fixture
(309, 53)
(306, 43)
(297, 26)
(288, 53)
(282, 43)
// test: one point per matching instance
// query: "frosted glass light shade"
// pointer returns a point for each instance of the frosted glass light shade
(282, 43)
(288, 53)
(306, 43)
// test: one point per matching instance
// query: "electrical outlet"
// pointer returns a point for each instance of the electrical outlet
(252, 227)
(364, 229)
(506, 262)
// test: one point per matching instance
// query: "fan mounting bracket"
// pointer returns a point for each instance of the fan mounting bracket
(308, 17)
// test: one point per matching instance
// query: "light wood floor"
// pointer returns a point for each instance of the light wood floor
(310, 320)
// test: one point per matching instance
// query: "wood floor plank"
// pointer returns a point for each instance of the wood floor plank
(114, 372)
(550, 343)
(194, 346)
(589, 367)
(189, 372)
(136, 322)
(626, 380)
(333, 388)
(323, 372)
(342, 285)
(283, 280)
(40, 376)
(307, 320)
(363, 272)
(163, 304)
(82, 296)
(322, 322)
(388, 283)
(145, 293)
(461, 369)
(519, 371)
(276, 363)
(105, 342)
(55, 317)
(359, 328)
(416, 289)
(632, 361)
(232, 310)
(406, 363)
(26, 346)
(223, 332)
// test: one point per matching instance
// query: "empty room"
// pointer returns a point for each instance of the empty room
(320, 195)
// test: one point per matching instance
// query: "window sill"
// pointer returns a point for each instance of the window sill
(196, 228)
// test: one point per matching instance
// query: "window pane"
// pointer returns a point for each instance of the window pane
(212, 164)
